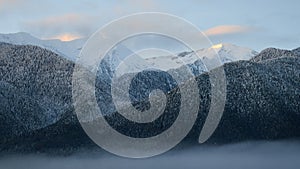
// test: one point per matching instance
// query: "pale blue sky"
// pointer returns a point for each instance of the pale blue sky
(253, 23)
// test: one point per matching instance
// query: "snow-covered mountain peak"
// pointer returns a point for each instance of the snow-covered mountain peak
(69, 49)
(225, 51)
(20, 37)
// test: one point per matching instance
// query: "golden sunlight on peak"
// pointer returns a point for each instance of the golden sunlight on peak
(66, 37)
(217, 46)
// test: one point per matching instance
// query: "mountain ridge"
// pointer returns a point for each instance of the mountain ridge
(262, 101)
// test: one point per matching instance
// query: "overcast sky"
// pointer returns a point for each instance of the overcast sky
(256, 24)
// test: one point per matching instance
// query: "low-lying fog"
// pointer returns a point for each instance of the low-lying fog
(252, 155)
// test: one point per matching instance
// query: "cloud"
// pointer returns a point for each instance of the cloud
(228, 29)
(64, 27)
(66, 37)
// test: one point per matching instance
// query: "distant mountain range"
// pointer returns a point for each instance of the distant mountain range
(71, 50)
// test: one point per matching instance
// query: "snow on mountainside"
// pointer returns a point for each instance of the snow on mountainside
(226, 52)
(231, 53)
(69, 49)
